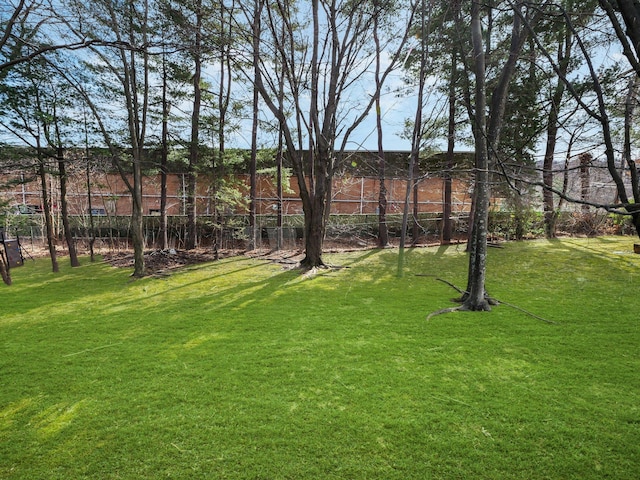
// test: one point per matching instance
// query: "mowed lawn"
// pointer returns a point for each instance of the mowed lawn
(240, 369)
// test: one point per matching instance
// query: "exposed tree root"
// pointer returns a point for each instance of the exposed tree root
(457, 289)
(533, 315)
(490, 300)
(443, 311)
(309, 272)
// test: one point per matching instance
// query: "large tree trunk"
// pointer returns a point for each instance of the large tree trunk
(317, 209)
(314, 234)
(476, 298)
(635, 221)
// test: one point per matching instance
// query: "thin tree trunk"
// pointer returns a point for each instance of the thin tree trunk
(416, 138)
(315, 232)
(137, 132)
(415, 234)
(224, 98)
(91, 234)
(163, 234)
(383, 230)
(253, 227)
(48, 218)
(451, 141)
(194, 146)
(407, 196)
(585, 178)
(280, 154)
(92, 229)
(64, 205)
(137, 226)
(253, 224)
(550, 212)
(279, 192)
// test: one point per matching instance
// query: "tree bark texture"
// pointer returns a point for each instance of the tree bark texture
(4, 269)
(64, 206)
(137, 228)
(317, 208)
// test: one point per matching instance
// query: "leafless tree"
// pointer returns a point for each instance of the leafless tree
(323, 55)
(487, 129)
(124, 73)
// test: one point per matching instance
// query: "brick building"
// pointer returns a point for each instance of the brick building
(355, 191)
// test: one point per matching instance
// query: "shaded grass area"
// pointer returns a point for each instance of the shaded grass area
(241, 370)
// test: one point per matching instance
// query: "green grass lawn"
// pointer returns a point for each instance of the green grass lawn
(242, 370)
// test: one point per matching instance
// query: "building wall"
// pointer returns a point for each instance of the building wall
(110, 196)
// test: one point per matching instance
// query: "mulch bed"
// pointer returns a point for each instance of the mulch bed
(159, 261)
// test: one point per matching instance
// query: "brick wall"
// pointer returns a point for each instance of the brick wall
(351, 194)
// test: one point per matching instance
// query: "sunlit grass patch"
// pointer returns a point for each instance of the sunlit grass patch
(241, 369)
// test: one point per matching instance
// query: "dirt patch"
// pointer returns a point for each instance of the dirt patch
(162, 262)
